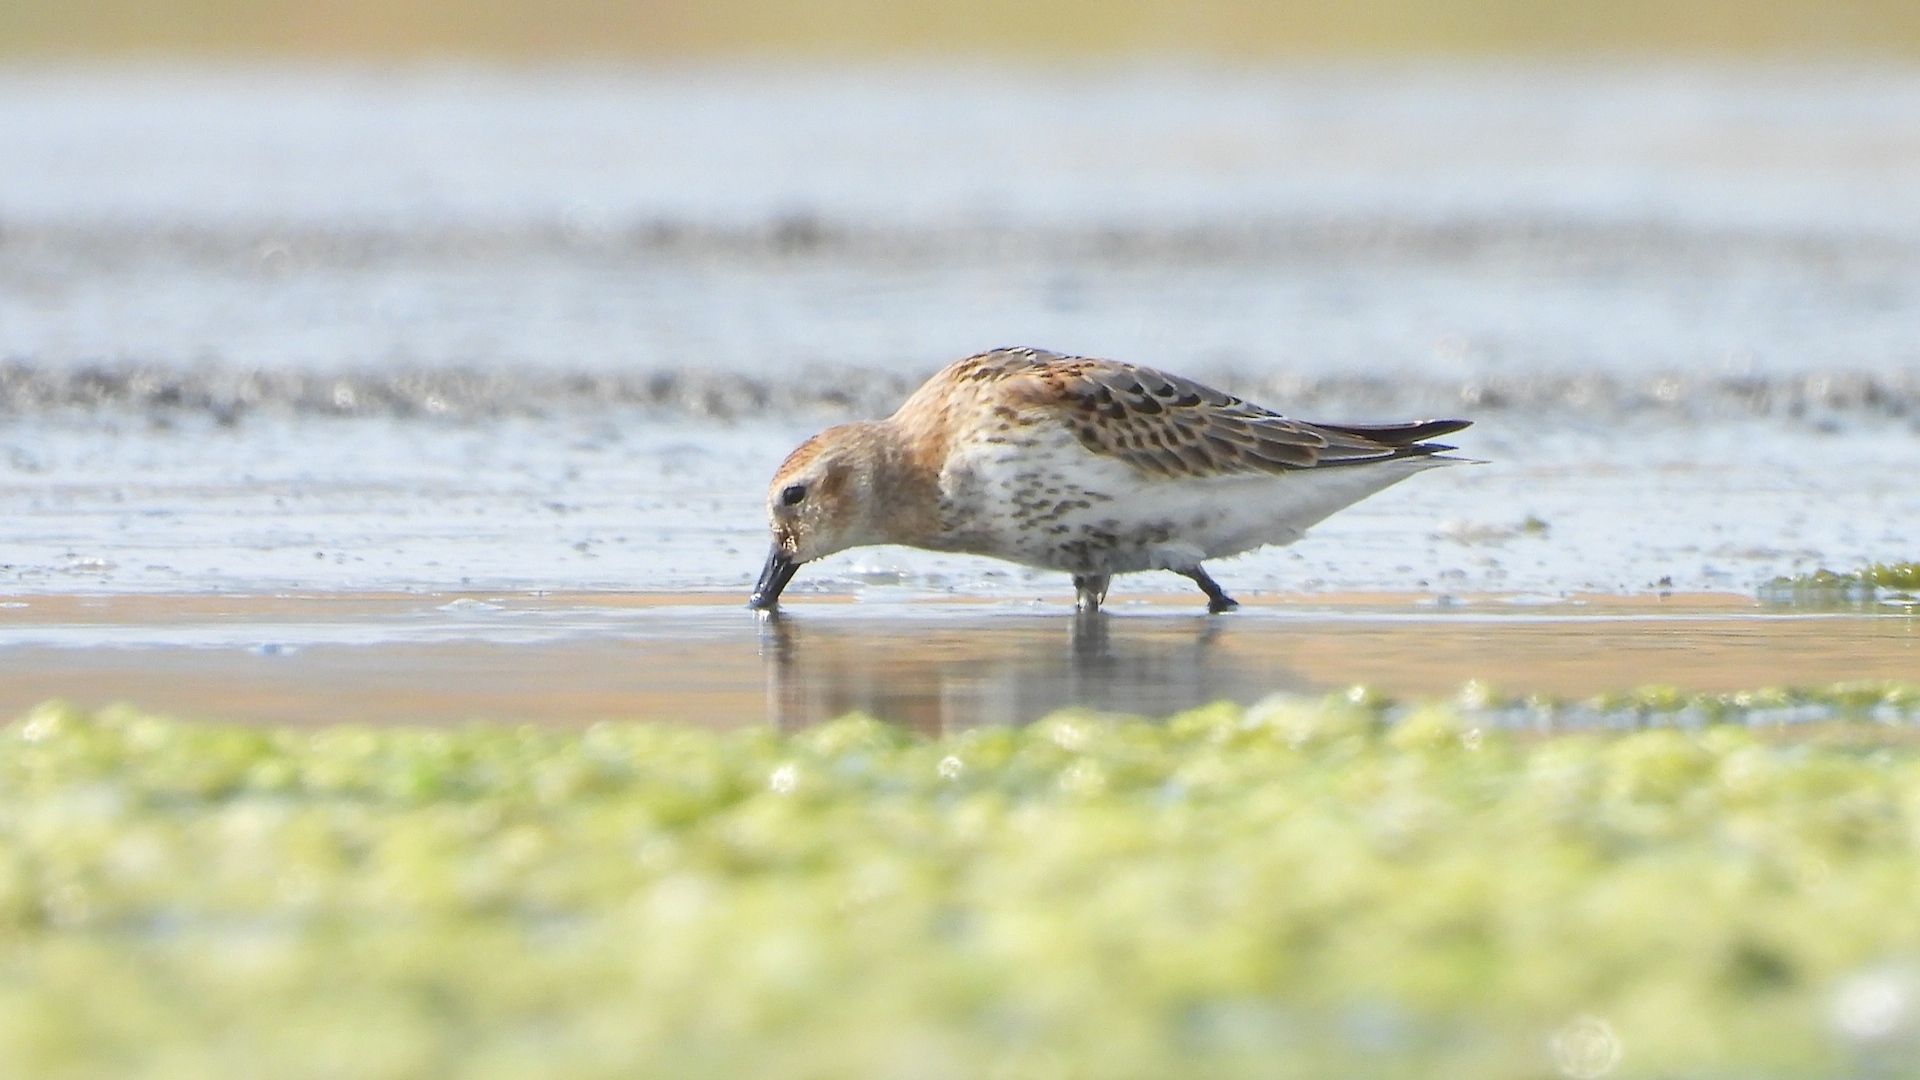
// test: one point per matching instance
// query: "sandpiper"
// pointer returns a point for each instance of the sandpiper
(1090, 467)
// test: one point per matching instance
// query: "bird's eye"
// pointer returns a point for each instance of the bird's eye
(792, 494)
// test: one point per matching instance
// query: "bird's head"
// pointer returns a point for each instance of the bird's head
(823, 499)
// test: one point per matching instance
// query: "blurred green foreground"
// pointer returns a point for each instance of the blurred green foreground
(1310, 888)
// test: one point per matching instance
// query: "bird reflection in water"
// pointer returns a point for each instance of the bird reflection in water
(1005, 669)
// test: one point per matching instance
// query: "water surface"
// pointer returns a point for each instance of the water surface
(574, 659)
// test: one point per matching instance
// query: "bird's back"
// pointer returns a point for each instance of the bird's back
(1157, 423)
(1093, 466)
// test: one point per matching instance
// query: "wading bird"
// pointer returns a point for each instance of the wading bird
(1089, 467)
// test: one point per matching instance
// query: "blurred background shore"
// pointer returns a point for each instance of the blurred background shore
(529, 30)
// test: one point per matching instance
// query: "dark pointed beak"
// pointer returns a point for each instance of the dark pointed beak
(774, 576)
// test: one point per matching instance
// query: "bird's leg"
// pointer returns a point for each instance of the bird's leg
(1090, 590)
(1217, 598)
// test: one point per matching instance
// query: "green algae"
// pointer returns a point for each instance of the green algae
(1311, 887)
(1894, 585)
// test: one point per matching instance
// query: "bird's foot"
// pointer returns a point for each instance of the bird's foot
(1218, 602)
(1090, 591)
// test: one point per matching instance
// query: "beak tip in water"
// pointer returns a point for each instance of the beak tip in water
(779, 570)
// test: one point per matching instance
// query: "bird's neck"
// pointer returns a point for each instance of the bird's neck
(906, 486)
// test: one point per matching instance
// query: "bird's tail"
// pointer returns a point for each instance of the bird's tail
(1406, 434)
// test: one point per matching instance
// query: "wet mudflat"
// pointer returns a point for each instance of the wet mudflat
(933, 666)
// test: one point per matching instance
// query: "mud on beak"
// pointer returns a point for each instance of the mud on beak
(774, 576)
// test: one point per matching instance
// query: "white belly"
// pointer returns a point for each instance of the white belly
(1048, 502)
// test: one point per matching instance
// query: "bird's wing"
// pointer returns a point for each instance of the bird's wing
(1164, 425)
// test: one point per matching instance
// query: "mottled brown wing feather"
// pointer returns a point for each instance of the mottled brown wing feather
(1164, 425)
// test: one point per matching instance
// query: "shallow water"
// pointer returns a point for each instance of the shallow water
(328, 658)
(1450, 223)
(640, 502)
(428, 331)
